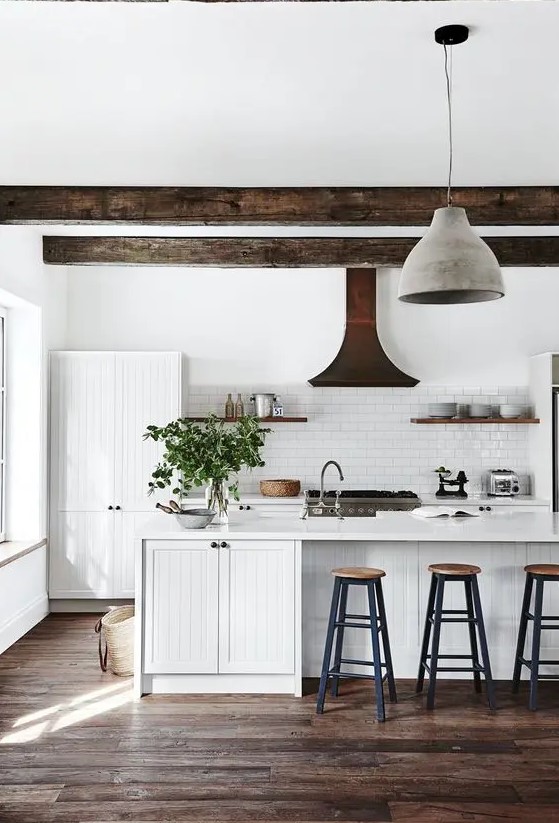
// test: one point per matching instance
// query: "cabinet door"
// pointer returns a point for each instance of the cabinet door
(81, 549)
(125, 528)
(82, 414)
(257, 607)
(147, 391)
(181, 607)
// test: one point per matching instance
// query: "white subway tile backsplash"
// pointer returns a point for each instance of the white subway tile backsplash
(369, 432)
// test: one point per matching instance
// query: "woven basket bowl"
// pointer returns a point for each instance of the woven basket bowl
(280, 488)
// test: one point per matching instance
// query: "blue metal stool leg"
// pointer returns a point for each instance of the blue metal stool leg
(386, 642)
(328, 646)
(339, 637)
(426, 635)
(376, 650)
(536, 640)
(483, 645)
(434, 660)
(472, 633)
(522, 629)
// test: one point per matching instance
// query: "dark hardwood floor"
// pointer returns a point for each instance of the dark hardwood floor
(75, 747)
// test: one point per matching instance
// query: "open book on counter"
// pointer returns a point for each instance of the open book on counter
(426, 512)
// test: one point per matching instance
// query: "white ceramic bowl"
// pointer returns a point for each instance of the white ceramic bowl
(509, 410)
(195, 518)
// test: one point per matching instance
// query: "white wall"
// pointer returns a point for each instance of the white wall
(246, 327)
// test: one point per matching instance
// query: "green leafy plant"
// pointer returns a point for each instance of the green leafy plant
(197, 454)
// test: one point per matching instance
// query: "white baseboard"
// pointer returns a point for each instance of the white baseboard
(95, 606)
(219, 684)
(23, 622)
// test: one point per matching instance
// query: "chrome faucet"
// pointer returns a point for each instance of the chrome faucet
(320, 504)
(328, 463)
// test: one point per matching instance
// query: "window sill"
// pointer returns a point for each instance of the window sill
(13, 549)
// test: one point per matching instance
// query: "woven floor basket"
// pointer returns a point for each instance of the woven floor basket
(280, 488)
(117, 629)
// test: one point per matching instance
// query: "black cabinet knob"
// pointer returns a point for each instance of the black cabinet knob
(117, 508)
(213, 545)
(223, 544)
(247, 507)
(110, 508)
(241, 508)
(482, 508)
(488, 508)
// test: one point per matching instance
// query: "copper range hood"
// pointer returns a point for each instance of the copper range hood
(361, 360)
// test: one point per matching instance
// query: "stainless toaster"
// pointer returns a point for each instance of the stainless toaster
(502, 483)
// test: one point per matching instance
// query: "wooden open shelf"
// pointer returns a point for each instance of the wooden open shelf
(475, 419)
(261, 419)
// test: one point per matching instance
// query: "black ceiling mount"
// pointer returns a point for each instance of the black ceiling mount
(451, 35)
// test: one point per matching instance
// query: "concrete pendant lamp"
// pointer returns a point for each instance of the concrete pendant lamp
(451, 263)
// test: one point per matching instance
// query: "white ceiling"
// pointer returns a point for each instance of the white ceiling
(275, 93)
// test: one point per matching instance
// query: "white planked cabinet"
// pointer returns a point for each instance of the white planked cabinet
(256, 611)
(181, 607)
(100, 405)
(214, 606)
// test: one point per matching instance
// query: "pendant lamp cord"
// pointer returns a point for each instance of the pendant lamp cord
(448, 76)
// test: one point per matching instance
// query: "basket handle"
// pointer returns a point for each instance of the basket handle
(102, 656)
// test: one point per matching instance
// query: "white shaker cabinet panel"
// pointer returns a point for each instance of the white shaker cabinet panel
(256, 607)
(81, 552)
(82, 415)
(125, 528)
(147, 392)
(181, 607)
(101, 404)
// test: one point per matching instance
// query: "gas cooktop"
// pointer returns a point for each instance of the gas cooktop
(360, 502)
(363, 493)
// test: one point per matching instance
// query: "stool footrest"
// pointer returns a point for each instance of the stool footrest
(454, 620)
(475, 668)
(364, 617)
(528, 664)
(344, 624)
(454, 611)
(357, 662)
(351, 676)
(452, 657)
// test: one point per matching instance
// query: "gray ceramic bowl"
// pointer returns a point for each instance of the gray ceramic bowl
(195, 518)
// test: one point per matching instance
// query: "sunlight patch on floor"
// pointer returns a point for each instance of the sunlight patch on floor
(63, 715)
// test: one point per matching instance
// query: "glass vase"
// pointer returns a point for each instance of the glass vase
(217, 498)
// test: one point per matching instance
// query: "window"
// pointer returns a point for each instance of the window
(2, 423)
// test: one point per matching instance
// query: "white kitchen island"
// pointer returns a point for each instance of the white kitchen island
(243, 608)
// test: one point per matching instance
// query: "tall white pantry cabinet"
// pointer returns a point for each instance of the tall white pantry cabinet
(100, 405)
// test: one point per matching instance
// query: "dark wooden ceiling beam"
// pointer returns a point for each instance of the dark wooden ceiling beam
(264, 252)
(414, 206)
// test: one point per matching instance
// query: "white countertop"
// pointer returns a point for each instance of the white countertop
(498, 527)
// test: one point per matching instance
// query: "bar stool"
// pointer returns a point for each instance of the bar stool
(443, 573)
(539, 574)
(375, 622)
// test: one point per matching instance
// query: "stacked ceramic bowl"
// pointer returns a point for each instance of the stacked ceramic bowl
(512, 410)
(481, 410)
(442, 410)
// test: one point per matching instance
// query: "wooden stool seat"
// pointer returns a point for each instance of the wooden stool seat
(359, 573)
(551, 569)
(454, 568)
